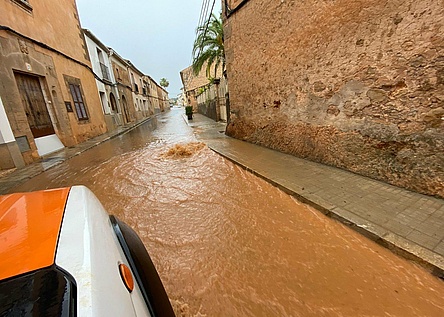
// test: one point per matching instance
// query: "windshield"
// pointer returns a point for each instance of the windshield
(47, 292)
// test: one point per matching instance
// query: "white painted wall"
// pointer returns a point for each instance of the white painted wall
(6, 135)
(48, 144)
(95, 62)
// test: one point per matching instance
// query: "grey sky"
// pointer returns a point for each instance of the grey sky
(156, 35)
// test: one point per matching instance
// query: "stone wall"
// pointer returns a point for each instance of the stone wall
(357, 84)
(54, 23)
(208, 109)
(124, 89)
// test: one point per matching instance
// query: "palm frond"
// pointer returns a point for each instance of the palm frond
(209, 46)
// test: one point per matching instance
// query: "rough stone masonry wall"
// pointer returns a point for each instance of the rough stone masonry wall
(357, 84)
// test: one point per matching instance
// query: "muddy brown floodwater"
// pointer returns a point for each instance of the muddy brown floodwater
(227, 243)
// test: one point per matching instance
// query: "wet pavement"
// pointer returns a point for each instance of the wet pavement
(407, 223)
(13, 178)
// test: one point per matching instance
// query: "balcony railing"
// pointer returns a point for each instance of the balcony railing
(105, 72)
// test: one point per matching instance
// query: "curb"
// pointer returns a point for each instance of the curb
(431, 261)
(107, 138)
(185, 118)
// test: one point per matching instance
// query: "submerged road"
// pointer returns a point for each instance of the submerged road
(227, 243)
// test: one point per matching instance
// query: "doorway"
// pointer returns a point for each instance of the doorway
(35, 105)
(37, 114)
(125, 109)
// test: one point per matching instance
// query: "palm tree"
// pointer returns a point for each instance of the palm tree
(209, 46)
(164, 82)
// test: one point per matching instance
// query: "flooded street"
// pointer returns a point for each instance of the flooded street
(227, 243)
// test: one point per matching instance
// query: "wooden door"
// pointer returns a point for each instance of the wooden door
(34, 105)
(125, 109)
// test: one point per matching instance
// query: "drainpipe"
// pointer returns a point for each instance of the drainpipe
(217, 82)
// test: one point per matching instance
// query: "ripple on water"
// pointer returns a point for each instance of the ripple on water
(227, 243)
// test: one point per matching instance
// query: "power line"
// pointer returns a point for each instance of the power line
(206, 28)
(202, 19)
(203, 11)
(202, 15)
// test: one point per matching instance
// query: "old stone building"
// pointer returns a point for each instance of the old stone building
(354, 84)
(162, 97)
(47, 89)
(192, 83)
(140, 92)
(121, 73)
(152, 94)
(165, 99)
(206, 96)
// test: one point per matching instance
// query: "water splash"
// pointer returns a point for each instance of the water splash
(184, 150)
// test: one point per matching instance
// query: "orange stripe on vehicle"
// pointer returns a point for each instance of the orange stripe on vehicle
(29, 229)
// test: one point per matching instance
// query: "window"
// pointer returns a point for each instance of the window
(113, 102)
(100, 56)
(45, 292)
(104, 102)
(79, 105)
(103, 67)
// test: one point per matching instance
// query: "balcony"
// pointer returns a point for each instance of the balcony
(105, 72)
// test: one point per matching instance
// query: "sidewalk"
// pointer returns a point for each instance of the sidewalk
(408, 223)
(10, 180)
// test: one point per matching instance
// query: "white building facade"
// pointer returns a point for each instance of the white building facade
(105, 80)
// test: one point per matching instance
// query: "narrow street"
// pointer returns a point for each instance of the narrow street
(227, 243)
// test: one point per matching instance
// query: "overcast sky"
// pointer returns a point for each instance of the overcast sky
(155, 35)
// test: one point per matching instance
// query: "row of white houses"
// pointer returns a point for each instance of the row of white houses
(126, 93)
